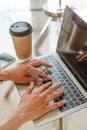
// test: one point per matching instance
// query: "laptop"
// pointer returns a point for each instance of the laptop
(67, 70)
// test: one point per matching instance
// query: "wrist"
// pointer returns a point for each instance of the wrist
(3, 75)
(18, 119)
(23, 116)
(13, 122)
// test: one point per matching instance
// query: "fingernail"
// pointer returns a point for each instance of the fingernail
(50, 65)
(31, 82)
(63, 102)
(62, 91)
(39, 80)
(59, 84)
(49, 78)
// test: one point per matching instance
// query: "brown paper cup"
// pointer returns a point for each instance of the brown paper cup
(21, 33)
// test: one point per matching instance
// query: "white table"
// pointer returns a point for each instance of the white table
(7, 45)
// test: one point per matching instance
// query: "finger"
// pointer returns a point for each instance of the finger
(39, 72)
(30, 62)
(27, 80)
(55, 105)
(54, 95)
(79, 56)
(37, 63)
(83, 58)
(30, 88)
(45, 86)
(50, 89)
(33, 62)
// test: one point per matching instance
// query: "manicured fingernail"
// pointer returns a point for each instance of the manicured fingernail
(32, 83)
(49, 78)
(63, 102)
(59, 84)
(62, 91)
(39, 80)
(50, 65)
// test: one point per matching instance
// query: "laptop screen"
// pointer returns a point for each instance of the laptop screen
(73, 32)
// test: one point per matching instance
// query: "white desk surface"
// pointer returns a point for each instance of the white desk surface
(6, 44)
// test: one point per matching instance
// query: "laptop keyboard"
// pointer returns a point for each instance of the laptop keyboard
(71, 93)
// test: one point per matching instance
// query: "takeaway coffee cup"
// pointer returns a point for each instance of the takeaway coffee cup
(21, 33)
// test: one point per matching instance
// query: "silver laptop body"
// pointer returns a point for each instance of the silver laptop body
(75, 94)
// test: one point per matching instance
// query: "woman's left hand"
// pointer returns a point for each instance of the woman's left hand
(20, 74)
